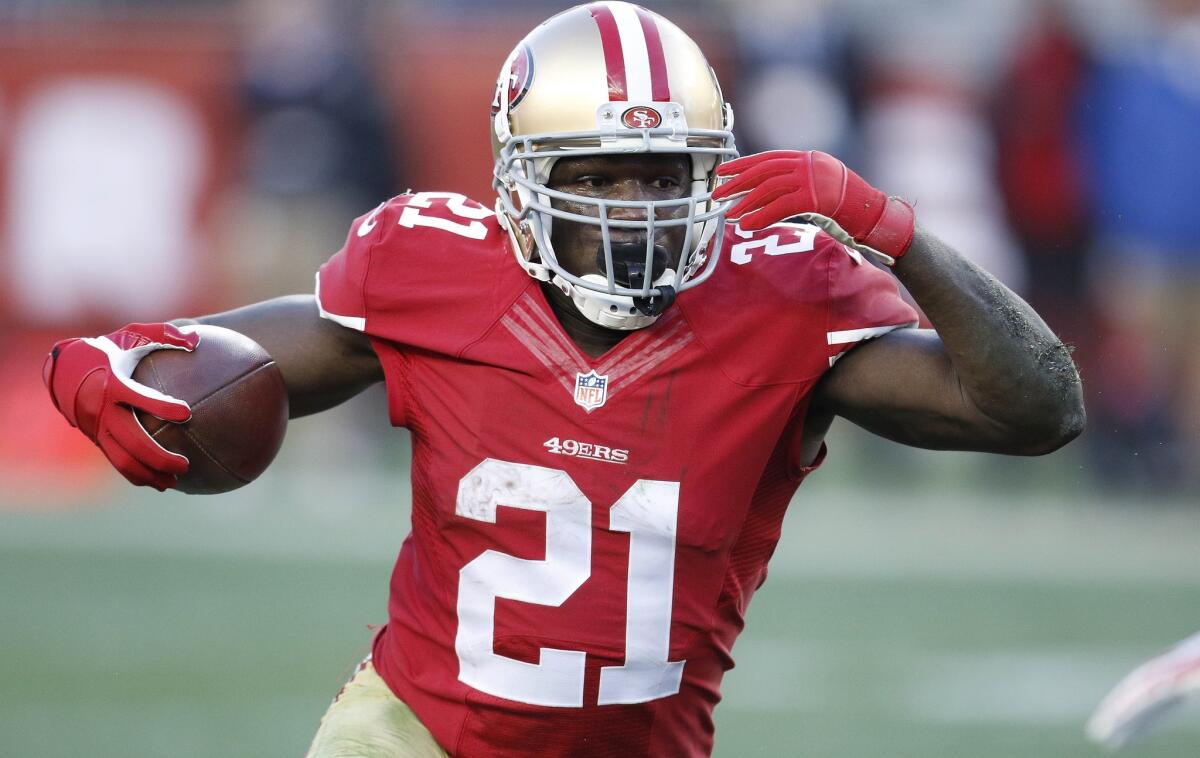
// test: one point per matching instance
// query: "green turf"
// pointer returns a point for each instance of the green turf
(927, 625)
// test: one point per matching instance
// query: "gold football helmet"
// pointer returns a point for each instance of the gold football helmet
(609, 78)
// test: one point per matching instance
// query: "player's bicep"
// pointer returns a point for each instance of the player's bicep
(323, 363)
(903, 386)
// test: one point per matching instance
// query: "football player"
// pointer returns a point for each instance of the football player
(616, 375)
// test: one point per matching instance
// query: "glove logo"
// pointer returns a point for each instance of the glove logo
(641, 117)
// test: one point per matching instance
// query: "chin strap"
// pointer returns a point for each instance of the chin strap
(610, 311)
(535, 269)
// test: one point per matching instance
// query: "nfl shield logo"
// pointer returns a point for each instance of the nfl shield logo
(591, 390)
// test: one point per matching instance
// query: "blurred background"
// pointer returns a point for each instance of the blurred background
(161, 159)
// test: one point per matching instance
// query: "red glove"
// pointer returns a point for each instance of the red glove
(90, 382)
(783, 183)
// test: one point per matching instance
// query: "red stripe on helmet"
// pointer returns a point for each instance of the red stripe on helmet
(660, 87)
(614, 54)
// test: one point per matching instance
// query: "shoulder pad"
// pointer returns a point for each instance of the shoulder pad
(428, 269)
(768, 312)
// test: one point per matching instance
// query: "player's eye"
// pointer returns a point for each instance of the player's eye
(665, 182)
(591, 181)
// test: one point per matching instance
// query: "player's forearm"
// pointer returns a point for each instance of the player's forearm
(323, 363)
(1009, 364)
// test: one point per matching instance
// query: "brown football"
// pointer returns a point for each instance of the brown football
(239, 408)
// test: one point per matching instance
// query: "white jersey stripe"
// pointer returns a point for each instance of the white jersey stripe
(637, 58)
(548, 329)
(625, 364)
(657, 359)
(627, 348)
(857, 335)
(534, 345)
(569, 362)
(357, 323)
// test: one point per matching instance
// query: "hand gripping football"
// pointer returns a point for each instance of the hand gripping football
(239, 408)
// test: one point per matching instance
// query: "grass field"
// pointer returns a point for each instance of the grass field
(962, 623)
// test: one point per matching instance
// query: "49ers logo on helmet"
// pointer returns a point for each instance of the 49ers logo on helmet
(641, 117)
(514, 82)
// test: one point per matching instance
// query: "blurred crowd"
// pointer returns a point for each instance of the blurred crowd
(161, 159)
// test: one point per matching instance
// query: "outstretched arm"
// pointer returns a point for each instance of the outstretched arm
(993, 377)
(91, 379)
(323, 363)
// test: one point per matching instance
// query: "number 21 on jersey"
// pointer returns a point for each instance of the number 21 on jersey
(457, 204)
(648, 512)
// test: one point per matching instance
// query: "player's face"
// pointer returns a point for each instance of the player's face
(579, 247)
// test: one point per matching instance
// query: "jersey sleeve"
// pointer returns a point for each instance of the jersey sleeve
(341, 281)
(421, 271)
(864, 302)
(341, 294)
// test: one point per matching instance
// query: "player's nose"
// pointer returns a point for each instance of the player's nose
(630, 190)
(639, 192)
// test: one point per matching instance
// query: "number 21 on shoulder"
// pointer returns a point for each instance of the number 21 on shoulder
(457, 204)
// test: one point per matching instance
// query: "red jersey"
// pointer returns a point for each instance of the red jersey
(587, 533)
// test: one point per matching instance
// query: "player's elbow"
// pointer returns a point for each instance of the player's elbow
(1054, 430)
(1063, 403)
(1052, 414)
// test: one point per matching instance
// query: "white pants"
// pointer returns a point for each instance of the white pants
(366, 720)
